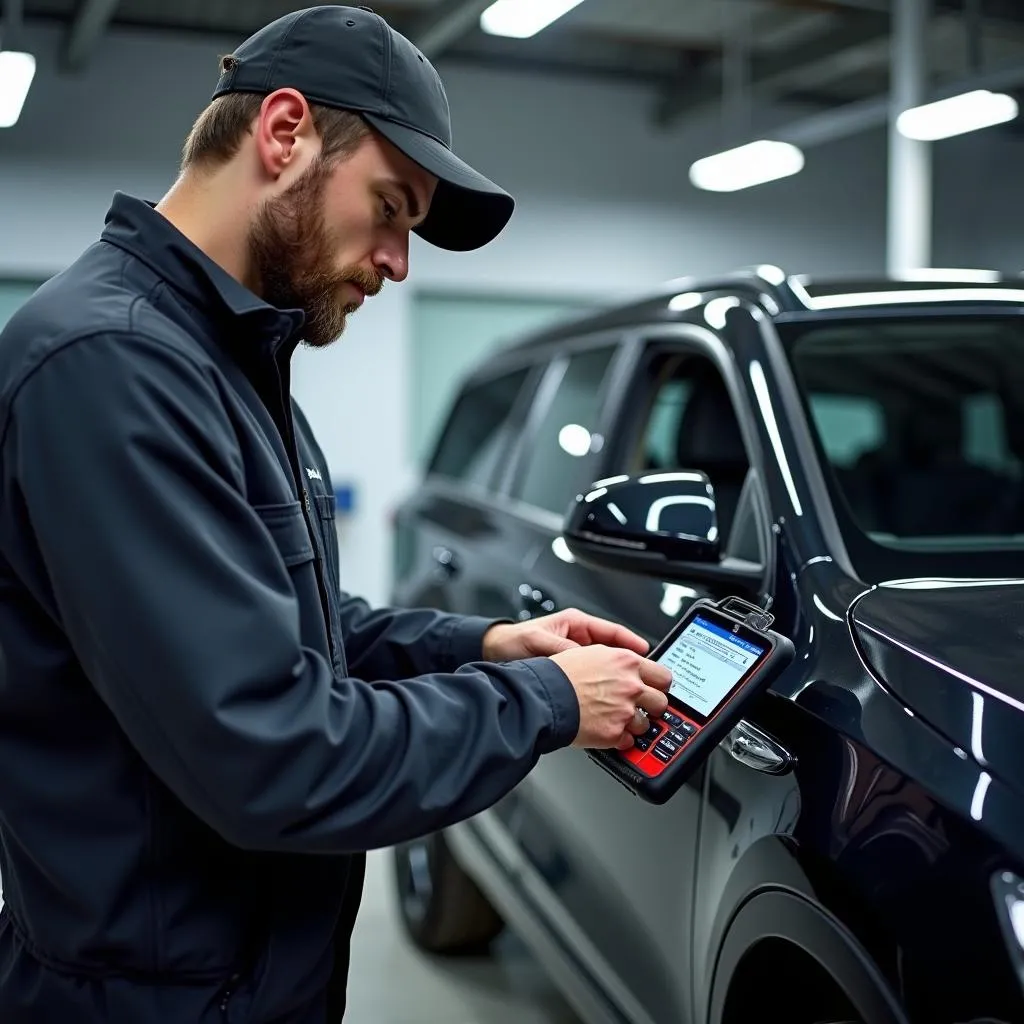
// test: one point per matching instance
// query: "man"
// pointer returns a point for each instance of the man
(200, 733)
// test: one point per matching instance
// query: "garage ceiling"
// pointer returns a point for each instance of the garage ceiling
(819, 54)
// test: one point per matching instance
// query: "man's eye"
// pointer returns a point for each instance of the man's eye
(390, 211)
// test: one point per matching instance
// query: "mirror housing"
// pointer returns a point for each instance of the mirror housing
(661, 524)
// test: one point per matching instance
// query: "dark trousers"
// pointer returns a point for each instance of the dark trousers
(336, 991)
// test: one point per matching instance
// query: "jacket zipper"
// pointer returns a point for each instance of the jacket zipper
(229, 991)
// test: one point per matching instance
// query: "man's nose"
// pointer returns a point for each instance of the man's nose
(392, 262)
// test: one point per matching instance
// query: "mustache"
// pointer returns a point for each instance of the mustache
(367, 281)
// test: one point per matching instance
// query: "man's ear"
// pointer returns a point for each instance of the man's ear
(283, 132)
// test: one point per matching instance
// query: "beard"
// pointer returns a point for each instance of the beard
(291, 252)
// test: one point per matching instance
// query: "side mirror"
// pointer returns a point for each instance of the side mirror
(658, 524)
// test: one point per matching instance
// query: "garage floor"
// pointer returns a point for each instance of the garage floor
(391, 983)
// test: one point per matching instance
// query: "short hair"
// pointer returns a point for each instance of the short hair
(219, 130)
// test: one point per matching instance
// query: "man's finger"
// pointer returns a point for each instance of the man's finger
(654, 702)
(625, 742)
(547, 644)
(638, 724)
(655, 675)
(591, 629)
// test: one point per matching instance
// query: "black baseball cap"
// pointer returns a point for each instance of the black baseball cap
(351, 59)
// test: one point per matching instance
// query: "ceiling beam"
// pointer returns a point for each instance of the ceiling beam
(446, 23)
(645, 76)
(84, 32)
(860, 40)
(875, 111)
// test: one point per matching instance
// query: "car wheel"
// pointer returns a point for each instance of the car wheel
(441, 907)
(818, 999)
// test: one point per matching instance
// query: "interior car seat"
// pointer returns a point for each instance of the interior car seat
(709, 439)
(931, 488)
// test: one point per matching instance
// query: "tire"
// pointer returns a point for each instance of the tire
(441, 908)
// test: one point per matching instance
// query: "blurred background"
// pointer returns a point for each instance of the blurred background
(594, 122)
(600, 116)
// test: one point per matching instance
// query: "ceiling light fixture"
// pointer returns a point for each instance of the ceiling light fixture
(16, 73)
(749, 165)
(521, 19)
(957, 115)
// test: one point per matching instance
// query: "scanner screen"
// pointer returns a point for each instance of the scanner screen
(707, 661)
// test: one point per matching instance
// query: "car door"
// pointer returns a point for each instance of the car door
(620, 871)
(456, 547)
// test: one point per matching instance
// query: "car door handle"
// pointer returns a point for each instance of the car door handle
(533, 602)
(445, 562)
(756, 749)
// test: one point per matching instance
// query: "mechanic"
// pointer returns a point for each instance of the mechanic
(200, 733)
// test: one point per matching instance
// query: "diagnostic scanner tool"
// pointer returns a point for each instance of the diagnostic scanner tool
(721, 654)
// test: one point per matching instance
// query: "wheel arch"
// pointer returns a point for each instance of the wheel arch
(785, 921)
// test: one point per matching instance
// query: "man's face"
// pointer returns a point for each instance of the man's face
(337, 233)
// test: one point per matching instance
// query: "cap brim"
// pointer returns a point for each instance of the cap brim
(468, 210)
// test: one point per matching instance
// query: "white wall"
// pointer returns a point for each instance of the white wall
(604, 210)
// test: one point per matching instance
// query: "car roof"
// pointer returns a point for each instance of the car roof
(786, 296)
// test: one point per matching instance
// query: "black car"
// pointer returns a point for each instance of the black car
(854, 850)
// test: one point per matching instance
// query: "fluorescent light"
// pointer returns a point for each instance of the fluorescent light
(752, 164)
(959, 114)
(523, 18)
(16, 73)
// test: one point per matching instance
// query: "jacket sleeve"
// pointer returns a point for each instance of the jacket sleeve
(121, 467)
(390, 643)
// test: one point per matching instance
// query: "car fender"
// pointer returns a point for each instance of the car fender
(778, 864)
(778, 913)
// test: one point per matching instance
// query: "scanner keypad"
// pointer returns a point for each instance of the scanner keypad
(658, 746)
(644, 742)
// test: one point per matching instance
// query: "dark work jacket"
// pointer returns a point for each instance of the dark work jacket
(200, 733)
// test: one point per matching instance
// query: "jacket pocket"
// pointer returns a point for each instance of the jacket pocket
(287, 526)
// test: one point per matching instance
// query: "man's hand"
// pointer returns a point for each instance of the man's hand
(552, 634)
(611, 684)
(604, 663)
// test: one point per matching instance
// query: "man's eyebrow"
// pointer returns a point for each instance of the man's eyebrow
(411, 202)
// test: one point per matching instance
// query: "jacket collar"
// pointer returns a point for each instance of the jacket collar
(135, 226)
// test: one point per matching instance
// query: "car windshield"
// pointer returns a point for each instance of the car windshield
(921, 422)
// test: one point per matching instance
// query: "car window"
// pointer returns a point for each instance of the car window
(558, 462)
(479, 430)
(849, 425)
(985, 440)
(662, 430)
(690, 422)
(921, 422)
